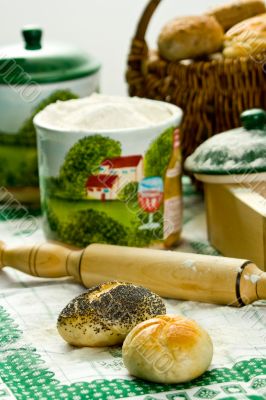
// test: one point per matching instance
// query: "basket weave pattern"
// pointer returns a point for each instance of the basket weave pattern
(212, 93)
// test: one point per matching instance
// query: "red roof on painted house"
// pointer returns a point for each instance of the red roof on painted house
(101, 181)
(123, 162)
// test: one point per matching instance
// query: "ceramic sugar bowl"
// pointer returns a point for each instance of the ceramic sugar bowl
(232, 166)
(235, 156)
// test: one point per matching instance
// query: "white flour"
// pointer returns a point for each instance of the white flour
(99, 112)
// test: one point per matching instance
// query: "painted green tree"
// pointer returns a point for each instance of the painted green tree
(84, 159)
(129, 193)
(90, 226)
(158, 154)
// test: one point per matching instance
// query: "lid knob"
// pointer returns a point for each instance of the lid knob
(253, 119)
(32, 37)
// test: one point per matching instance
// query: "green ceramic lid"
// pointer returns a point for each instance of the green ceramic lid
(34, 60)
(238, 151)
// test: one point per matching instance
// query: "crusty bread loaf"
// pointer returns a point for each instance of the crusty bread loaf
(105, 314)
(232, 13)
(167, 349)
(190, 37)
(246, 39)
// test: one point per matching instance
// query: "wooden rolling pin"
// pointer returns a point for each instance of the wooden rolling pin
(170, 274)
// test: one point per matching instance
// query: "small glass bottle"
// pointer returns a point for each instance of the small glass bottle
(173, 207)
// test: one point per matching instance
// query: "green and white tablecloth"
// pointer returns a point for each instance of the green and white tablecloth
(35, 363)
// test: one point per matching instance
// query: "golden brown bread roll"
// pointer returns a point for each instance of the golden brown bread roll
(248, 38)
(190, 37)
(105, 314)
(167, 349)
(232, 13)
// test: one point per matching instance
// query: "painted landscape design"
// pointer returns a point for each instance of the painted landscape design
(103, 196)
(18, 153)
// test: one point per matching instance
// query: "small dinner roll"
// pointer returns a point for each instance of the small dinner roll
(105, 314)
(167, 349)
(246, 39)
(232, 13)
(190, 37)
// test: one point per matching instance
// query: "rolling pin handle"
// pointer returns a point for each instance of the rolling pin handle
(46, 260)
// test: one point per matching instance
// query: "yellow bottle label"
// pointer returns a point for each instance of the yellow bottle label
(172, 216)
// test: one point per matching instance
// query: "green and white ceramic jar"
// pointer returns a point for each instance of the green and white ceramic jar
(34, 74)
(237, 156)
(110, 171)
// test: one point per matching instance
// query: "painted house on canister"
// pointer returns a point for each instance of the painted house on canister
(114, 174)
(103, 187)
(130, 167)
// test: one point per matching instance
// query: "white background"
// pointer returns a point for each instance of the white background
(102, 27)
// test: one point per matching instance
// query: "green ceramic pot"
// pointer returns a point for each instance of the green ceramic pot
(33, 74)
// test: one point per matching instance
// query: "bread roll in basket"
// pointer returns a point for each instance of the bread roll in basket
(213, 92)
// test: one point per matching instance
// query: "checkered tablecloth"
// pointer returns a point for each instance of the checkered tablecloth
(35, 363)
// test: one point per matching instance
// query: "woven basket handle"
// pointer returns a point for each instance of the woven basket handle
(145, 19)
(138, 55)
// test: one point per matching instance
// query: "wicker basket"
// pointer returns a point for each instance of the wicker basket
(211, 93)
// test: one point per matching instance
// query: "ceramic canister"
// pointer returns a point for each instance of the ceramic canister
(33, 74)
(116, 186)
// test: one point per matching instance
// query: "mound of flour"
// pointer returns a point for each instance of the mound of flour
(99, 112)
